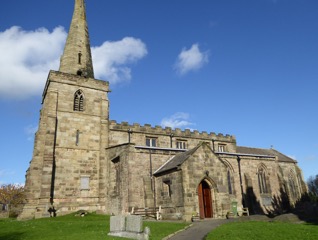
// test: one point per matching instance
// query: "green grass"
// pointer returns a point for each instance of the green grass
(264, 230)
(90, 227)
(95, 227)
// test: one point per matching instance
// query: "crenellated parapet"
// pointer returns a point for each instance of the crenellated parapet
(168, 131)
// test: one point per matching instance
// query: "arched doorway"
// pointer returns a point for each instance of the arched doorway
(205, 200)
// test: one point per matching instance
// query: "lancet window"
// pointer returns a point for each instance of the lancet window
(262, 181)
(230, 178)
(79, 101)
(229, 181)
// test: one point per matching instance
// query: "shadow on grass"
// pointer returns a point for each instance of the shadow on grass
(12, 236)
(305, 208)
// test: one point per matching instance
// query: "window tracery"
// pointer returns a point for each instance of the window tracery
(79, 101)
(262, 181)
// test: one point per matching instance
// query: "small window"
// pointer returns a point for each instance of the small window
(222, 148)
(77, 137)
(262, 181)
(166, 188)
(181, 144)
(79, 101)
(151, 142)
(79, 72)
(84, 183)
(79, 58)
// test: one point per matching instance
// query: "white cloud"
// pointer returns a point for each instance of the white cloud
(27, 56)
(191, 60)
(111, 58)
(177, 120)
(25, 59)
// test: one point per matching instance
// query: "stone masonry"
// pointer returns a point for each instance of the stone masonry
(84, 161)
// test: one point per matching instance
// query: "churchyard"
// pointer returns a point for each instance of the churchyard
(265, 230)
(71, 227)
(97, 227)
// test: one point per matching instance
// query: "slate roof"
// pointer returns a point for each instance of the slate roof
(176, 161)
(260, 151)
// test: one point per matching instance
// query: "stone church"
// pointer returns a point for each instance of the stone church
(82, 160)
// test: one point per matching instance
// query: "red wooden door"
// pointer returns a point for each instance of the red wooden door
(201, 201)
(205, 200)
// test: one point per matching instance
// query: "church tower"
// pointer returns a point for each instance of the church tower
(68, 168)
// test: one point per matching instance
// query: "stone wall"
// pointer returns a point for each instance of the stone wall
(169, 194)
(130, 181)
(288, 172)
(69, 148)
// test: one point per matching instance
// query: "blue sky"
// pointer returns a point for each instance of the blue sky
(248, 68)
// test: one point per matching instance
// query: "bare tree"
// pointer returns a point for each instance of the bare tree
(11, 195)
(312, 183)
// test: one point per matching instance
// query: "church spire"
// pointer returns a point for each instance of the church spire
(77, 57)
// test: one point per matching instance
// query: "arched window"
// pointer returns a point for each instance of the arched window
(229, 177)
(262, 181)
(79, 101)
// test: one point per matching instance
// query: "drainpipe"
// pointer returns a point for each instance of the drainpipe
(241, 183)
(171, 136)
(129, 133)
(150, 169)
(153, 186)
(213, 145)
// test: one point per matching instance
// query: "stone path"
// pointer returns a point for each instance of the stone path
(199, 229)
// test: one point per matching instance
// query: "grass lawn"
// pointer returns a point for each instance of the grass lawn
(264, 230)
(90, 227)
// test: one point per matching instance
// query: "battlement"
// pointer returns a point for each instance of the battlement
(168, 131)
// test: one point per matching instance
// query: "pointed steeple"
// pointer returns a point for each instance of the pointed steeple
(77, 57)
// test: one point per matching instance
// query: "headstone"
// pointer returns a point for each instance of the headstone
(117, 223)
(134, 224)
(128, 227)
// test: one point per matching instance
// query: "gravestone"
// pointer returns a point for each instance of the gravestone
(134, 223)
(128, 227)
(117, 223)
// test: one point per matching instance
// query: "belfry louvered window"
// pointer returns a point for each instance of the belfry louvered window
(79, 101)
